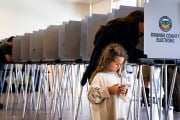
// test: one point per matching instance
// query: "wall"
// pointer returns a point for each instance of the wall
(20, 16)
(117, 3)
(101, 7)
(106, 6)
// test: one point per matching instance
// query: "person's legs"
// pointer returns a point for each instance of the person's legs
(147, 95)
(142, 101)
(176, 101)
(176, 93)
(1, 84)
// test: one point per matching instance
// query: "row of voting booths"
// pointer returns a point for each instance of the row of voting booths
(71, 41)
(63, 51)
(161, 41)
(48, 64)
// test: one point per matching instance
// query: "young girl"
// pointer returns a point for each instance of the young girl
(108, 90)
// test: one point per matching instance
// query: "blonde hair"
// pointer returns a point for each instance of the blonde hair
(109, 53)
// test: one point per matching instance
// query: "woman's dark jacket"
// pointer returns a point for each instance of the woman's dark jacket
(123, 33)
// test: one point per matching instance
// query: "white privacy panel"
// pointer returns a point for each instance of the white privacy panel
(50, 43)
(16, 52)
(25, 56)
(71, 45)
(162, 29)
(36, 46)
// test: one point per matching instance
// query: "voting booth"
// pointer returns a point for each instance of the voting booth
(16, 51)
(83, 45)
(25, 54)
(50, 43)
(161, 45)
(36, 46)
(61, 40)
(70, 38)
(93, 25)
(162, 29)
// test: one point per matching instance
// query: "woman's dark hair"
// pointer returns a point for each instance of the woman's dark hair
(133, 18)
(10, 39)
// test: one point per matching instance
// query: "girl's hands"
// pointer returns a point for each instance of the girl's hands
(123, 89)
(118, 89)
(114, 89)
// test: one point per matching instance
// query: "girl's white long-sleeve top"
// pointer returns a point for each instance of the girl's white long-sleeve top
(105, 106)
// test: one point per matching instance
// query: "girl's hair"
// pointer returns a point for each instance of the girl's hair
(109, 53)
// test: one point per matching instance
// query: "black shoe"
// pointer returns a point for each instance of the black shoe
(1, 106)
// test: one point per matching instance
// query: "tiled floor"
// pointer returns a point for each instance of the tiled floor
(15, 111)
(84, 114)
